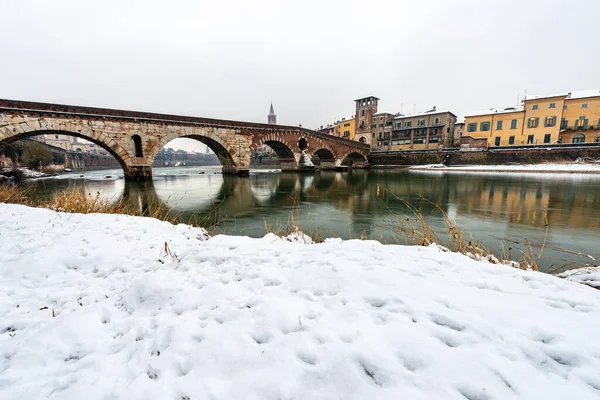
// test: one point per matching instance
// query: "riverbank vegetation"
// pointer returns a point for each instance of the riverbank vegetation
(409, 227)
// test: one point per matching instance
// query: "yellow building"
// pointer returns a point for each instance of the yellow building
(562, 118)
(500, 126)
(580, 121)
(346, 128)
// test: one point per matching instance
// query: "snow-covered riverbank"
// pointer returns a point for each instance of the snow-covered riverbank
(92, 308)
(564, 168)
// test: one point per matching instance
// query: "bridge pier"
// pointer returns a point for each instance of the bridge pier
(138, 173)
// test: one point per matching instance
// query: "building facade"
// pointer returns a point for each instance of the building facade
(429, 130)
(365, 109)
(346, 128)
(554, 119)
(580, 122)
(70, 143)
(382, 129)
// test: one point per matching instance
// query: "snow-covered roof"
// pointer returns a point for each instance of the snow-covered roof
(423, 114)
(499, 110)
(383, 113)
(545, 96)
(582, 94)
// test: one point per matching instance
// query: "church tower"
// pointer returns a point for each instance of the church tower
(272, 116)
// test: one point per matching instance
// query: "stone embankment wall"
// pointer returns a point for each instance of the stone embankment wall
(533, 156)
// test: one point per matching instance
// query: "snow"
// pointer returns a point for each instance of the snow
(582, 94)
(499, 110)
(406, 116)
(98, 307)
(549, 167)
(26, 172)
(588, 276)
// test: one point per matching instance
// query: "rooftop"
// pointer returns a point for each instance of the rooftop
(499, 110)
(582, 94)
(545, 96)
(431, 112)
(368, 98)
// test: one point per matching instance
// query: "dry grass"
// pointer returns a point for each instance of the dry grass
(411, 229)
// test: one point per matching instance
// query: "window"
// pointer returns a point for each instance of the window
(472, 127)
(497, 141)
(380, 135)
(530, 139)
(499, 125)
(55, 136)
(513, 124)
(597, 139)
(421, 122)
(532, 122)
(137, 146)
(582, 123)
(436, 121)
(511, 140)
(381, 125)
(535, 107)
(565, 107)
(407, 124)
(419, 141)
(547, 137)
(564, 123)
(550, 121)
(398, 125)
(362, 113)
(484, 126)
(552, 105)
(434, 140)
(579, 138)
(584, 105)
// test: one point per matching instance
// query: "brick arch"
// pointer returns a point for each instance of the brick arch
(353, 155)
(325, 150)
(12, 133)
(284, 148)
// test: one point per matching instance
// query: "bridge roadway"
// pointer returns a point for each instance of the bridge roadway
(134, 138)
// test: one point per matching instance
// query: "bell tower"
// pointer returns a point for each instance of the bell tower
(272, 117)
(365, 109)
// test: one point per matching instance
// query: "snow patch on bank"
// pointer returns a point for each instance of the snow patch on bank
(550, 167)
(91, 307)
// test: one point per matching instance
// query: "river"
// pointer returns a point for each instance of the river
(497, 209)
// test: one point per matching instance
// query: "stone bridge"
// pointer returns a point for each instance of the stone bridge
(134, 138)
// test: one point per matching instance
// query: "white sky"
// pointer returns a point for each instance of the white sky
(230, 59)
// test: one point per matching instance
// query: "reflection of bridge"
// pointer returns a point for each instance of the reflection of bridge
(134, 138)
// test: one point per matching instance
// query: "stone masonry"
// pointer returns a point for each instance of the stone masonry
(117, 131)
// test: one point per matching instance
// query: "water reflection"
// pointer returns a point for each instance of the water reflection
(492, 207)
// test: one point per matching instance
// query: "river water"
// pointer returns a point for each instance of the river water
(494, 208)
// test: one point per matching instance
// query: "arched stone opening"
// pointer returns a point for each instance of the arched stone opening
(285, 155)
(137, 146)
(354, 160)
(223, 155)
(303, 144)
(324, 158)
(362, 139)
(112, 151)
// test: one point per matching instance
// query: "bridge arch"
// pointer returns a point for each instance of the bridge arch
(354, 158)
(113, 149)
(288, 159)
(221, 150)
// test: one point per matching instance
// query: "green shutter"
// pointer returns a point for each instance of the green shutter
(585, 124)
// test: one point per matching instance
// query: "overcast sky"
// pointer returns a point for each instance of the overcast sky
(230, 59)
